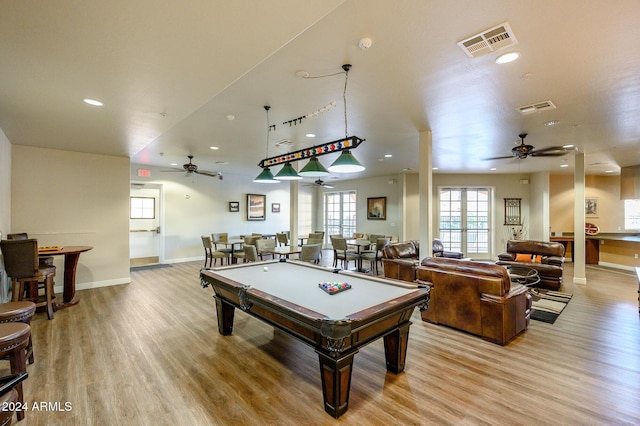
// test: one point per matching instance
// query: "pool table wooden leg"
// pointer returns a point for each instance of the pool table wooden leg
(395, 348)
(225, 313)
(336, 382)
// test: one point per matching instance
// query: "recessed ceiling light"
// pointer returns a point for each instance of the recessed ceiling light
(493, 169)
(213, 147)
(507, 57)
(434, 168)
(174, 164)
(388, 156)
(310, 135)
(564, 165)
(608, 171)
(93, 102)
(552, 123)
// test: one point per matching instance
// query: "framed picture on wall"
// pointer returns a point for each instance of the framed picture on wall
(234, 206)
(256, 206)
(275, 207)
(377, 208)
(591, 207)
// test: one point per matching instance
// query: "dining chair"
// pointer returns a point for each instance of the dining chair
(14, 338)
(21, 311)
(343, 253)
(263, 244)
(210, 255)
(222, 238)
(43, 260)
(375, 256)
(22, 266)
(282, 238)
(310, 253)
(9, 396)
(250, 253)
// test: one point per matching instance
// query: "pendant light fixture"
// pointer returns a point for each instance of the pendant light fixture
(265, 175)
(288, 173)
(314, 168)
(346, 162)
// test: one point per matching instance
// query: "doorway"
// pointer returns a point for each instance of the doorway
(464, 220)
(144, 224)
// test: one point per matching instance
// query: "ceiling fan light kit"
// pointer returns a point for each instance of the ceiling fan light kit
(522, 151)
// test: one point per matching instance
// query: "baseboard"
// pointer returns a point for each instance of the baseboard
(616, 266)
(185, 259)
(96, 284)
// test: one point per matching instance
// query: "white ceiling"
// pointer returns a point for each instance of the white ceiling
(170, 73)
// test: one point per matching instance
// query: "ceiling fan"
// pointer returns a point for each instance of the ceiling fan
(192, 168)
(523, 151)
(321, 183)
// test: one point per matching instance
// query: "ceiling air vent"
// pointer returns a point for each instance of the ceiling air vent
(537, 107)
(284, 142)
(488, 41)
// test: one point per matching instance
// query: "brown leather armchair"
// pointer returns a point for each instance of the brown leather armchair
(439, 251)
(475, 297)
(550, 254)
(399, 260)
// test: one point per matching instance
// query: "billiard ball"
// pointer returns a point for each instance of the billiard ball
(266, 268)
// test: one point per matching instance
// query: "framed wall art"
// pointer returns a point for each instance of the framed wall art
(591, 207)
(256, 206)
(275, 207)
(377, 208)
(234, 206)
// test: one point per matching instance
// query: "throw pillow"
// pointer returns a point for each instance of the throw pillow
(537, 259)
(523, 257)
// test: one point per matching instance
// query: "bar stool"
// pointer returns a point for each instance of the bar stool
(21, 265)
(19, 312)
(14, 338)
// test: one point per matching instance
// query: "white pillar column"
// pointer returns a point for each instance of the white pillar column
(579, 273)
(425, 187)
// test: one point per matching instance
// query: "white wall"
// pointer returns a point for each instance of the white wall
(71, 198)
(505, 186)
(199, 205)
(386, 186)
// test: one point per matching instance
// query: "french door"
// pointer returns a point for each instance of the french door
(464, 220)
(340, 213)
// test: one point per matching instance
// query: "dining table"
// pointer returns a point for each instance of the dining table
(232, 242)
(71, 256)
(360, 244)
(283, 250)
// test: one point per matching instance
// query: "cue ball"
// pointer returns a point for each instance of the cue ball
(266, 268)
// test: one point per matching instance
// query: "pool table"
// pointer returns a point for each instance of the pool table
(286, 295)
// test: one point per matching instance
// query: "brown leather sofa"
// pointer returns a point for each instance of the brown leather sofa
(551, 255)
(475, 297)
(399, 260)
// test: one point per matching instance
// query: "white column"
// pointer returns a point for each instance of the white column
(293, 208)
(425, 187)
(579, 273)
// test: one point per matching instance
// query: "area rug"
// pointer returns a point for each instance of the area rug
(547, 305)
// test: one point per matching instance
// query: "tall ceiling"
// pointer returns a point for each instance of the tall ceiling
(171, 75)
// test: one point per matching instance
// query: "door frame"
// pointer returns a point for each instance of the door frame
(161, 215)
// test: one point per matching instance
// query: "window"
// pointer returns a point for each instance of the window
(631, 214)
(340, 213)
(142, 208)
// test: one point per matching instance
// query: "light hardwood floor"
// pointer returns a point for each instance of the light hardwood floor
(149, 353)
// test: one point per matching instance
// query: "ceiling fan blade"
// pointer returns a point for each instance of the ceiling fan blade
(206, 173)
(500, 158)
(552, 151)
